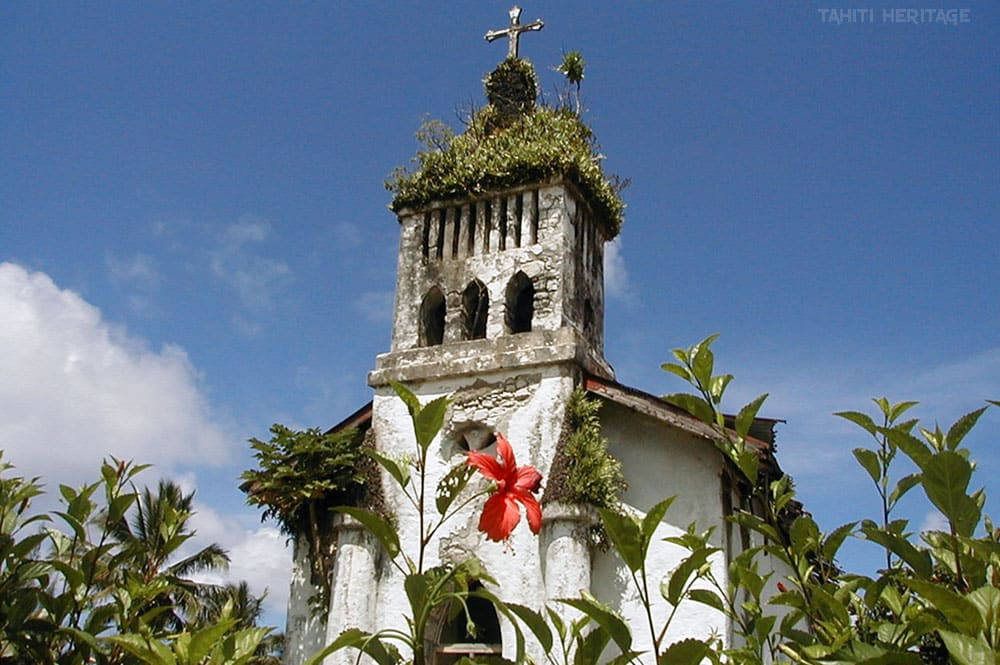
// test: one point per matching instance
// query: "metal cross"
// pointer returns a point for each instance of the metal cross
(514, 30)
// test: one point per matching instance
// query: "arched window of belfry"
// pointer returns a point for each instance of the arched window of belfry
(475, 310)
(588, 317)
(448, 638)
(520, 303)
(432, 311)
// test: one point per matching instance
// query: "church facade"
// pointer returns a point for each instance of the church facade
(499, 305)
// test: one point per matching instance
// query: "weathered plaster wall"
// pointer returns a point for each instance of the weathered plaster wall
(660, 462)
(305, 631)
(527, 406)
(558, 247)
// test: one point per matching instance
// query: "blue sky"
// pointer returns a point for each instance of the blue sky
(196, 244)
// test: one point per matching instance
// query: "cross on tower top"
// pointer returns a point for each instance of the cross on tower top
(514, 30)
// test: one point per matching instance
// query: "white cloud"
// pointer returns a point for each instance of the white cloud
(76, 389)
(261, 556)
(255, 278)
(615, 275)
(934, 521)
(815, 446)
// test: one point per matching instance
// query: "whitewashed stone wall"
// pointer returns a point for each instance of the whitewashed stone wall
(528, 408)
(305, 631)
(660, 462)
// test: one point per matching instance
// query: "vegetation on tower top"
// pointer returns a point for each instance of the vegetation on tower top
(511, 141)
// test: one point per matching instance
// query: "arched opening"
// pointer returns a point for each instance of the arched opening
(588, 317)
(432, 311)
(475, 310)
(520, 303)
(450, 638)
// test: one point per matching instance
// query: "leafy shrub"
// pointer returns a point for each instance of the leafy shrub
(506, 144)
(583, 471)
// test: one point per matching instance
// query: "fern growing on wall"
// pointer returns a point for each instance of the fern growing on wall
(583, 471)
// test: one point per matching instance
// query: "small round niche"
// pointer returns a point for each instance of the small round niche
(472, 436)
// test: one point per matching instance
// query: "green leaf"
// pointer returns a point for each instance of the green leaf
(904, 485)
(914, 448)
(244, 644)
(707, 597)
(81, 636)
(893, 658)
(754, 523)
(204, 640)
(869, 461)
(946, 481)
(78, 529)
(536, 624)
(429, 421)
(749, 463)
(590, 648)
(625, 535)
(652, 520)
(409, 399)
(961, 427)
(377, 525)
(416, 587)
(958, 610)
(693, 404)
(684, 652)
(451, 485)
(672, 587)
(832, 609)
(862, 420)
(804, 534)
(703, 363)
(718, 387)
(836, 538)
(603, 617)
(679, 370)
(400, 472)
(917, 559)
(382, 653)
(744, 419)
(966, 650)
(147, 650)
(987, 601)
(899, 409)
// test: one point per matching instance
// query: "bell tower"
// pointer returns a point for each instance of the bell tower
(499, 308)
(498, 280)
(501, 256)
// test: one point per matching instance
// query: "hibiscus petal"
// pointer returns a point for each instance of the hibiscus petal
(487, 465)
(500, 516)
(506, 452)
(527, 479)
(532, 510)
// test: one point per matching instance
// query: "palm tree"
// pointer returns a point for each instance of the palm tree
(235, 601)
(151, 537)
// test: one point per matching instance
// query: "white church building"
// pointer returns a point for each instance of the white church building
(499, 305)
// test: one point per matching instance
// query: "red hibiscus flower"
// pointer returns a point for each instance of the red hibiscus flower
(515, 484)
